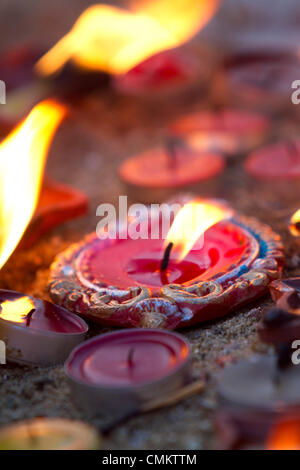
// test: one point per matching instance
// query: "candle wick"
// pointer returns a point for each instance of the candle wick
(171, 146)
(130, 358)
(166, 258)
(29, 316)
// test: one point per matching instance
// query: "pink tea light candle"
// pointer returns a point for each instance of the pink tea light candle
(36, 331)
(117, 372)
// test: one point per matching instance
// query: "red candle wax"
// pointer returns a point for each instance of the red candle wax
(161, 72)
(128, 358)
(227, 131)
(158, 169)
(126, 263)
(275, 162)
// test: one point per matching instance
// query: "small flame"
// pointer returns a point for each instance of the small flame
(22, 159)
(114, 40)
(285, 435)
(295, 224)
(16, 310)
(192, 220)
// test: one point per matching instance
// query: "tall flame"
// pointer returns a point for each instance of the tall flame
(22, 159)
(192, 220)
(114, 40)
(295, 224)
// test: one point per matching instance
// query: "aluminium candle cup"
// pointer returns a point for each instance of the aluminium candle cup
(254, 396)
(155, 175)
(38, 332)
(115, 373)
(49, 434)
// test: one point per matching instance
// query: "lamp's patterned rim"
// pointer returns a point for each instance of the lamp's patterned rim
(177, 306)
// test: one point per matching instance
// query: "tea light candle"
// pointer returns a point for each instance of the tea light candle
(49, 434)
(162, 74)
(228, 131)
(261, 80)
(254, 394)
(157, 173)
(116, 373)
(36, 331)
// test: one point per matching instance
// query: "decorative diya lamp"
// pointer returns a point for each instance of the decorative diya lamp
(118, 373)
(254, 394)
(49, 434)
(158, 173)
(260, 80)
(226, 131)
(122, 281)
(36, 331)
(278, 167)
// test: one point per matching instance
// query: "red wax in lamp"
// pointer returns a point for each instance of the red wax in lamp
(129, 262)
(164, 72)
(117, 371)
(36, 331)
(158, 172)
(276, 162)
(229, 131)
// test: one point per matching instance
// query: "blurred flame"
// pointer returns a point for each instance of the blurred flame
(22, 159)
(190, 223)
(114, 40)
(285, 435)
(295, 224)
(16, 310)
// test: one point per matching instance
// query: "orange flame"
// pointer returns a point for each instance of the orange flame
(22, 159)
(16, 310)
(295, 224)
(190, 223)
(285, 435)
(114, 40)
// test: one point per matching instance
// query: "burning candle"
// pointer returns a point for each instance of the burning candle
(227, 131)
(256, 393)
(118, 372)
(144, 283)
(36, 331)
(261, 80)
(49, 434)
(158, 173)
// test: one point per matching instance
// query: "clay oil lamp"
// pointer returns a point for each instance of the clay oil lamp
(230, 132)
(158, 282)
(278, 167)
(36, 331)
(49, 434)
(157, 174)
(119, 373)
(254, 394)
(261, 80)
(281, 324)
